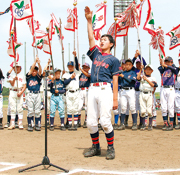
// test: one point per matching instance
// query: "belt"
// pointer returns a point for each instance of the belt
(84, 88)
(72, 91)
(177, 89)
(146, 92)
(15, 90)
(168, 86)
(34, 92)
(137, 90)
(56, 94)
(99, 84)
(47, 89)
(127, 88)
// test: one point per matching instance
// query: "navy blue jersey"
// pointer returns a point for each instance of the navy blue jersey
(104, 66)
(1, 85)
(59, 85)
(129, 79)
(84, 81)
(168, 75)
(33, 82)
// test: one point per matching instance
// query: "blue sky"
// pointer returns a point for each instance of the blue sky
(166, 14)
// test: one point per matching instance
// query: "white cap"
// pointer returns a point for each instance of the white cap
(148, 65)
(17, 64)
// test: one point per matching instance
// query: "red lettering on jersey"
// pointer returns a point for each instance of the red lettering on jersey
(20, 79)
(33, 83)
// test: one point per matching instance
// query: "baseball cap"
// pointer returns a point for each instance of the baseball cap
(138, 60)
(123, 61)
(56, 70)
(149, 65)
(70, 63)
(17, 64)
(129, 60)
(86, 64)
(36, 68)
(168, 58)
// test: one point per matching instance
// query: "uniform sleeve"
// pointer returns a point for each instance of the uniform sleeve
(161, 70)
(115, 67)
(39, 77)
(154, 82)
(93, 52)
(131, 78)
(24, 80)
(78, 73)
(28, 76)
(173, 69)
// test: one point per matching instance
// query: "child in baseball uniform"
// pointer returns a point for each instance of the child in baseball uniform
(1, 99)
(147, 85)
(84, 83)
(17, 88)
(101, 99)
(33, 78)
(167, 93)
(71, 81)
(128, 80)
(57, 89)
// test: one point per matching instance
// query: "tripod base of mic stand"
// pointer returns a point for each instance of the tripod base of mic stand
(45, 161)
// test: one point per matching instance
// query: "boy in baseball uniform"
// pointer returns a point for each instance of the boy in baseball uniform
(167, 93)
(128, 80)
(71, 81)
(33, 78)
(147, 85)
(57, 89)
(1, 99)
(84, 83)
(17, 88)
(101, 98)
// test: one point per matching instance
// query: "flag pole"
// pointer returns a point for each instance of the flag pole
(75, 3)
(51, 55)
(77, 44)
(60, 32)
(115, 30)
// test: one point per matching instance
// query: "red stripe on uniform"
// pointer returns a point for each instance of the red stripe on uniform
(69, 119)
(95, 138)
(178, 115)
(95, 142)
(110, 143)
(76, 118)
(109, 139)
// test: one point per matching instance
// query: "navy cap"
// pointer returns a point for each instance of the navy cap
(168, 59)
(86, 64)
(123, 61)
(36, 68)
(56, 70)
(70, 63)
(129, 60)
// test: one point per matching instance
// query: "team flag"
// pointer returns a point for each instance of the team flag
(139, 10)
(17, 59)
(38, 41)
(179, 53)
(99, 20)
(70, 25)
(51, 29)
(76, 17)
(175, 37)
(6, 11)
(47, 45)
(150, 24)
(30, 23)
(21, 9)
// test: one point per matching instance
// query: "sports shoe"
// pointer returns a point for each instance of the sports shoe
(154, 124)
(126, 123)
(62, 128)
(115, 126)
(30, 128)
(1, 126)
(142, 127)
(21, 126)
(51, 128)
(164, 128)
(93, 152)
(150, 128)
(79, 124)
(121, 127)
(85, 124)
(177, 126)
(16, 125)
(72, 128)
(6, 125)
(37, 128)
(134, 127)
(11, 127)
(110, 153)
(67, 125)
(170, 128)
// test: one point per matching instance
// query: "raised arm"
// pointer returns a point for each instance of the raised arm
(49, 61)
(88, 15)
(85, 73)
(33, 66)
(40, 68)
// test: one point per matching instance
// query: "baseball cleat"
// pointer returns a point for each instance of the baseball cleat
(37, 128)
(72, 128)
(16, 125)
(142, 127)
(110, 153)
(93, 152)
(1, 126)
(121, 127)
(51, 128)
(79, 124)
(85, 124)
(11, 127)
(30, 128)
(170, 128)
(115, 126)
(62, 128)
(150, 128)
(134, 127)
(164, 128)
(21, 126)
(6, 125)
(177, 126)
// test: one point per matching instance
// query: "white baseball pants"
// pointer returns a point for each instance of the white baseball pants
(138, 108)
(177, 101)
(1, 106)
(154, 105)
(83, 100)
(167, 96)
(100, 104)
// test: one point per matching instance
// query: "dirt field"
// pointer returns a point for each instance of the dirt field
(136, 151)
